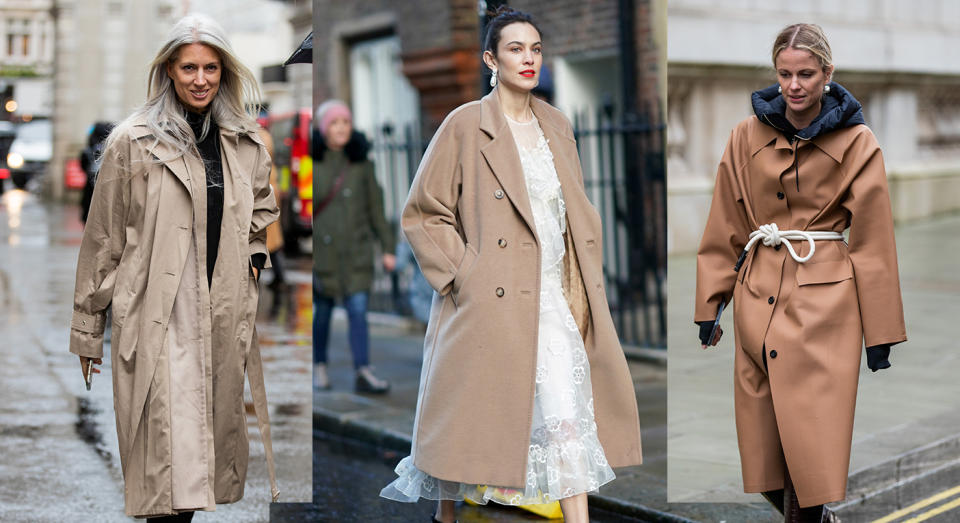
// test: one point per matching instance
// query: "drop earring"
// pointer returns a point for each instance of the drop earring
(826, 89)
(779, 89)
(493, 78)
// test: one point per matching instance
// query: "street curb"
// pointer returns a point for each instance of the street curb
(646, 355)
(899, 470)
(349, 427)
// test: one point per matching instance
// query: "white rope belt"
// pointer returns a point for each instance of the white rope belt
(772, 236)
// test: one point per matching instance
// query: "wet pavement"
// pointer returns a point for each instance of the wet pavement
(58, 441)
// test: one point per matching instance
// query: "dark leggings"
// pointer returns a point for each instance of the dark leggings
(181, 517)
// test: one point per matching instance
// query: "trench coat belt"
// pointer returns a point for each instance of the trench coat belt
(772, 236)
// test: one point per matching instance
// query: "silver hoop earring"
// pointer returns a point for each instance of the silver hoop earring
(493, 79)
(779, 89)
(826, 89)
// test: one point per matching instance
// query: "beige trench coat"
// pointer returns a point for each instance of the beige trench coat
(469, 221)
(815, 315)
(178, 350)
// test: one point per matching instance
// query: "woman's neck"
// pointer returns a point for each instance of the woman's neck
(802, 120)
(515, 104)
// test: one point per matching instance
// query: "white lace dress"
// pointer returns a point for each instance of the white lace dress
(565, 457)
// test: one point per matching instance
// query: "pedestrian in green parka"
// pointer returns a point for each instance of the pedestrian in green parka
(348, 222)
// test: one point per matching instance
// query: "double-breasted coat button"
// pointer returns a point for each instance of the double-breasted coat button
(773, 354)
(770, 300)
(498, 194)
(500, 292)
(780, 195)
(502, 242)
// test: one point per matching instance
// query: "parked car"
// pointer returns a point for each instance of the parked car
(291, 141)
(30, 152)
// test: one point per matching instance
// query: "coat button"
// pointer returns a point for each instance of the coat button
(780, 195)
(498, 194)
(502, 242)
(773, 354)
(770, 300)
(500, 292)
(327, 239)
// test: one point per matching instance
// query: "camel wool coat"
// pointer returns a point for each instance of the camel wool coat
(179, 350)
(469, 222)
(811, 318)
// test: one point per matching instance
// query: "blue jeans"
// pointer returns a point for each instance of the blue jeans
(356, 306)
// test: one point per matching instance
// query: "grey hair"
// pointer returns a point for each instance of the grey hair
(234, 108)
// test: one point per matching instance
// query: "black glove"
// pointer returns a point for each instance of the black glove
(258, 260)
(705, 328)
(877, 357)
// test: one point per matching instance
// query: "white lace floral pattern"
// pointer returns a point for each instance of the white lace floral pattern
(565, 457)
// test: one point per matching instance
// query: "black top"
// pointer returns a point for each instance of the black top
(209, 149)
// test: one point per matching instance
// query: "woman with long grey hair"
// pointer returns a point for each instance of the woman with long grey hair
(174, 243)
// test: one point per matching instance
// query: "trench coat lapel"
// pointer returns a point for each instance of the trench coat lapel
(179, 165)
(503, 157)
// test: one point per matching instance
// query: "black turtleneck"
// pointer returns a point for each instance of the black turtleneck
(209, 149)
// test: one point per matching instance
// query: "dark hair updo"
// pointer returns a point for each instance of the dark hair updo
(503, 17)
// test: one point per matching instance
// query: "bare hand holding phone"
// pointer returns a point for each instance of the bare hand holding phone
(88, 370)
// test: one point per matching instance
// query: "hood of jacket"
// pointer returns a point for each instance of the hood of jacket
(839, 109)
(356, 149)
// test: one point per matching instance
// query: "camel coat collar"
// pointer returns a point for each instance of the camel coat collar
(504, 159)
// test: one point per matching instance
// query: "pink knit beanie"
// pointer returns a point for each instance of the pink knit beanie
(330, 111)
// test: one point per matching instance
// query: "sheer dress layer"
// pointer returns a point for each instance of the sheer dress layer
(565, 457)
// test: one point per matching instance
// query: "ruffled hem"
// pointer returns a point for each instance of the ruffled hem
(413, 484)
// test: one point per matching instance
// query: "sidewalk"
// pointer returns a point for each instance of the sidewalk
(59, 440)
(907, 419)
(387, 421)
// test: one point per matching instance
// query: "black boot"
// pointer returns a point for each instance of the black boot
(775, 497)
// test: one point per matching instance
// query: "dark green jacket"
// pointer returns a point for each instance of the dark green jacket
(345, 232)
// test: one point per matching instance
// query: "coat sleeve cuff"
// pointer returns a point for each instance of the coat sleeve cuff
(86, 334)
(89, 323)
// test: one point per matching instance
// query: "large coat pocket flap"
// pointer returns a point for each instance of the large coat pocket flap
(824, 272)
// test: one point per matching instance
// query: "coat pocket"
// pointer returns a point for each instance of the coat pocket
(463, 271)
(824, 272)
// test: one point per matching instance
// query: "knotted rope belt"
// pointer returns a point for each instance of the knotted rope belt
(772, 236)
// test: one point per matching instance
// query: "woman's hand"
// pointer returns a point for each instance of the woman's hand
(256, 272)
(389, 262)
(715, 340)
(705, 328)
(93, 370)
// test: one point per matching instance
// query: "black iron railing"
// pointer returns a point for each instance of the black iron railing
(628, 191)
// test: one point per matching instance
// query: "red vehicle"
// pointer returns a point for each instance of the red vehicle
(291, 140)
